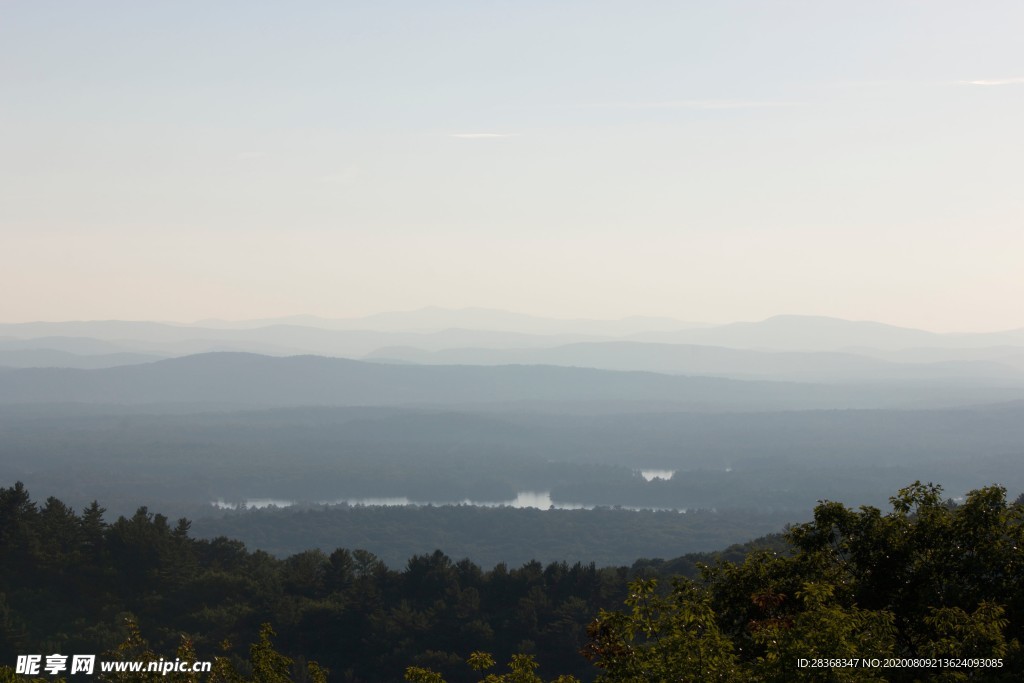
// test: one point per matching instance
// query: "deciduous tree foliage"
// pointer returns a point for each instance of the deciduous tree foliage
(927, 579)
(68, 581)
(930, 579)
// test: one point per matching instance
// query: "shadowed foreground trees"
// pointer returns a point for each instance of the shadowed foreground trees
(68, 581)
(931, 580)
(265, 664)
(928, 582)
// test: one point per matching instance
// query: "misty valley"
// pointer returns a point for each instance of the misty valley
(220, 431)
(610, 460)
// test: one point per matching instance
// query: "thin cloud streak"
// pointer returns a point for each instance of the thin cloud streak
(697, 104)
(481, 136)
(994, 81)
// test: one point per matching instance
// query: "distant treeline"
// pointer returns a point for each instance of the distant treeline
(68, 580)
(932, 583)
(492, 536)
(769, 461)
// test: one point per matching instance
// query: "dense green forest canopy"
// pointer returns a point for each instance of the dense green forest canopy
(929, 580)
(782, 461)
(492, 535)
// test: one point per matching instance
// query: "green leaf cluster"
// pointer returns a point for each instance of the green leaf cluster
(929, 579)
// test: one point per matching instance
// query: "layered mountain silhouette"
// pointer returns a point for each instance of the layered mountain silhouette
(250, 379)
(789, 348)
(689, 359)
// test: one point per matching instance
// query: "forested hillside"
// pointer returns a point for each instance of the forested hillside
(929, 580)
(492, 535)
(771, 461)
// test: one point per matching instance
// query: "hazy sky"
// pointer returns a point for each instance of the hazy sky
(711, 161)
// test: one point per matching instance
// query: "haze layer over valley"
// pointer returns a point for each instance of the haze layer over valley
(730, 431)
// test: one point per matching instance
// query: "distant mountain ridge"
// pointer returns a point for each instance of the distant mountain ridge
(783, 332)
(50, 358)
(436, 319)
(277, 339)
(820, 333)
(250, 379)
(833, 349)
(690, 359)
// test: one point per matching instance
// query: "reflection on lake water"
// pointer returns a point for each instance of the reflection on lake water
(253, 503)
(651, 475)
(540, 500)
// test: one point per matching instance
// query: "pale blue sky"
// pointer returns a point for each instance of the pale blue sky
(709, 161)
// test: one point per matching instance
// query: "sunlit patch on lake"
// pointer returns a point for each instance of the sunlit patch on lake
(539, 500)
(254, 503)
(651, 475)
